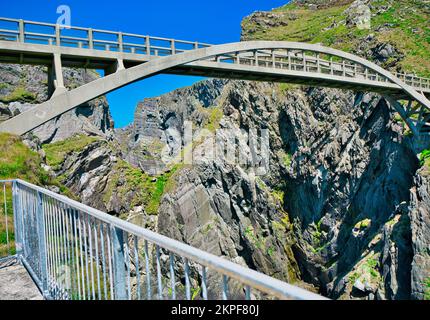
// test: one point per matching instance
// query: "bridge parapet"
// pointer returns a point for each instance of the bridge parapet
(73, 251)
(25, 31)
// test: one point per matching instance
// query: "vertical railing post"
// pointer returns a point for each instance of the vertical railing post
(17, 218)
(304, 61)
(172, 46)
(273, 59)
(90, 39)
(290, 67)
(21, 31)
(120, 43)
(57, 35)
(43, 258)
(331, 65)
(318, 63)
(118, 263)
(148, 45)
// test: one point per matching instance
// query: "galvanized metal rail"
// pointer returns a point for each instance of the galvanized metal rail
(73, 251)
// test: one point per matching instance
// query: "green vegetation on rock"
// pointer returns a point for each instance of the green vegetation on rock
(363, 224)
(404, 25)
(427, 289)
(18, 94)
(145, 189)
(17, 161)
(57, 151)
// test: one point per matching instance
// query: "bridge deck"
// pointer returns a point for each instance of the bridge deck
(16, 284)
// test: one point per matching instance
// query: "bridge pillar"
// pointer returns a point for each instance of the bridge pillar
(55, 77)
(118, 65)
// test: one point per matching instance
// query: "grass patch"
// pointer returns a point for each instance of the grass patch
(427, 289)
(286, 160)
(407, 22)
(254, 238)
(17, 161)
(19, 94)
(213, 116)
(56, 152)
(146, 190)
(363, 224)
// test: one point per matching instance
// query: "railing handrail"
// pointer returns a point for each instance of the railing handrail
(245, 275)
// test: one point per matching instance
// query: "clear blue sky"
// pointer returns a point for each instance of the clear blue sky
(196, 20)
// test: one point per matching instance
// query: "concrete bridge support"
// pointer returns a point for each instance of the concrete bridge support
(55, 77)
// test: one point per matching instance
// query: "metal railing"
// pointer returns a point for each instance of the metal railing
(73, 251)
(25, 31)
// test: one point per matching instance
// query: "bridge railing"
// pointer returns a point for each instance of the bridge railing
(77, 37)
(25, 31)
(314, 62)
(74, 251)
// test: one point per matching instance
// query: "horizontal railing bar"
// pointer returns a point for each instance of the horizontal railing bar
(46, 35)
(9, 20)
(140, 45)
(74, 38)
(105, 41)
(247, 276)
(9, 31)
(44, 24)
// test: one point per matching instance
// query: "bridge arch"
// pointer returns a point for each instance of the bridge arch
(68, 100)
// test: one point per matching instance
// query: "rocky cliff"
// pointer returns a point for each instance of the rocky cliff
(23, 86)
(357, 201)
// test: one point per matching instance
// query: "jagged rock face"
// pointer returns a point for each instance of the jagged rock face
(359, 15)
(263, 19)
(24, 86)
(360, 232)
(420, 224)
(347, 168)
(86, 174)
(157, 120)
(347, 160)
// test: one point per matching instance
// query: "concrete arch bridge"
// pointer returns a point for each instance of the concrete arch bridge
(127, 58)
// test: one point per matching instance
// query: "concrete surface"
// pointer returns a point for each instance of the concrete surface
(16, 284)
